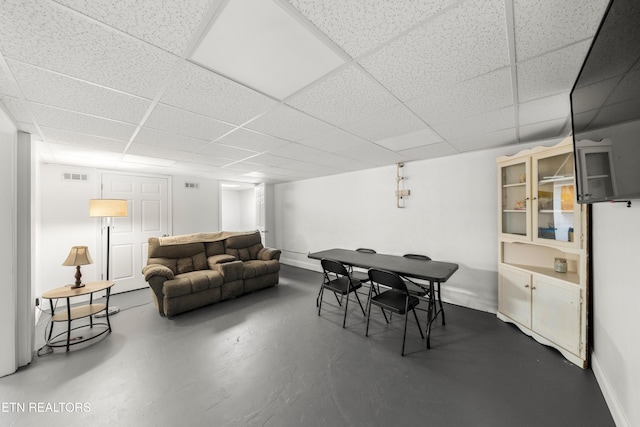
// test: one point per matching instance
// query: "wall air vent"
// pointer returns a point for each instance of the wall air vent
(194, 185)
(75, 176)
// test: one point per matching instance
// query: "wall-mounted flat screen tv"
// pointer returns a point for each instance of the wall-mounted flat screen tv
(605, 109)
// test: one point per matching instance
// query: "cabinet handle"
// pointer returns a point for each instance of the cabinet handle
(526, 286)
(533, 288)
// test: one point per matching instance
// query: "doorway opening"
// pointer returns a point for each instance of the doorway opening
(237, 206)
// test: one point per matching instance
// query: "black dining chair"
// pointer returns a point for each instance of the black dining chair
(336, 279)
(363, 276)
(396, 299)
(414, 287)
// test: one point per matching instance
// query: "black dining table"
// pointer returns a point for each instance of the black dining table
(434, 272)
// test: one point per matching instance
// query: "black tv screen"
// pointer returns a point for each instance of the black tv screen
(605, 109)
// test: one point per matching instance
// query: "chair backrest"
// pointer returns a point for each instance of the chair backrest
(332, 266)
(387, 278)
(366, 250)
(416, 256)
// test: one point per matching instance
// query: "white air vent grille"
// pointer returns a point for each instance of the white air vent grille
(75, 176)
(191, 185)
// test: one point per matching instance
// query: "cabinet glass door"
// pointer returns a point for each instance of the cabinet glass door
(515, 199)
(554, 218)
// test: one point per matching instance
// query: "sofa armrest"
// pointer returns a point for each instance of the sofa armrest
(266, 254)
(231, 271)
(219, 259)
(152, 270)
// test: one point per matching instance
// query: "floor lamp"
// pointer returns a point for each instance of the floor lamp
(108, 208)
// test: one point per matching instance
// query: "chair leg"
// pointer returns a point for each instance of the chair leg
(361, 308)
(366, 333)
(319, 299)
(346, 307)
(404, 334)
(417, 322)
(440, 301)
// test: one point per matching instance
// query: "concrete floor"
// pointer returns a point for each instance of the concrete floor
(268, 359)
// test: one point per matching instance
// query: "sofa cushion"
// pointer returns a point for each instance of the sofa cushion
(192, 263)
(214, 248)
(194, 281)
(171, 263)
(255, 268)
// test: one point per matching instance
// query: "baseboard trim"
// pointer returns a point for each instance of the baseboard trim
(610, 397)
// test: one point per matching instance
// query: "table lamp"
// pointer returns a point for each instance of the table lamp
(78, 256)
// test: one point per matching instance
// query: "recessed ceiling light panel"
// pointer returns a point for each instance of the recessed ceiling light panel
(261, 45)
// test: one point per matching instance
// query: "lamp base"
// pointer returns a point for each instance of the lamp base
(77, 285)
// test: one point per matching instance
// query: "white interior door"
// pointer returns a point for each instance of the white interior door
(148, 216)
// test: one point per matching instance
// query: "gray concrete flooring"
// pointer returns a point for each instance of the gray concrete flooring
(268, 359)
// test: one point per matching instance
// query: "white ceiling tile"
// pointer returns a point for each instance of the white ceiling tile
(462, 43)
(544, 109)
(478, 124)
(49, 35)
(357, 31)
(394, 121)
(16, 108)
(431, 151)
(174, 141)
(299, 152)
(202, 91)
(484, 93)
(542, 26)
(543, 130)
(552, 73)
(166, 24)
(53, 89)
(171, 119)
(484, 140)
(227, 152)
(177, 155)
(7, 86)
(81, 123)
(374, 155)
(290, 124)
(335, 140)
(249, 140)
(410, 140)
(89, 142)
(263, 46)
(343, 97)
(268, 160)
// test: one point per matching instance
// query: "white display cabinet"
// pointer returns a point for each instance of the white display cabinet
(542, 242)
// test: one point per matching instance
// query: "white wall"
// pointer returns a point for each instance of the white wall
(616, 295)
(451, 215)
(65, 222)
(195, 209)
(8, 261)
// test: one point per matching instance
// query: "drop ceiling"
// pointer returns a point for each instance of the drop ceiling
(143, 85)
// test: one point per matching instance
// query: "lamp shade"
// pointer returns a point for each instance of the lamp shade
(79, 255)
(107, 207)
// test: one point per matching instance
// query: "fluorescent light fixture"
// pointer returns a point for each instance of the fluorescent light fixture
(259, 44)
